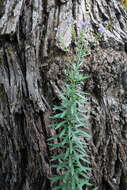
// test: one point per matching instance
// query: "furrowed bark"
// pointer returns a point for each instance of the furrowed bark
(32, 64)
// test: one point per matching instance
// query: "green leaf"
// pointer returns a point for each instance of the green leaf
(63, 114)
(73, 184)
(72, 170)
(83, 116)
(55, 146)
(71, 147)
(64, 185)
(80, 151)
(83, 182)
(70, 161)
(82, 168)
(57, 157)
(61, 124)
(65, 141)
(85, 77)
(77, 118)
(58, 108)
(66, 176)
(53, 137)
(82, 110)
(60, 166)
(56, 178)
(82, 93)
(81, 124)
(84, 160)
(62, 132)
(76, 140)
(82, 133)
(56, 116)
(79, 172)
(73, 108)
(80, 157)
(75, 177)
(83, 98)
(69, 132)
(56, 188)
(67, 153)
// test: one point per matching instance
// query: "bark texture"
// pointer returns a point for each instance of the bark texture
(32, 64)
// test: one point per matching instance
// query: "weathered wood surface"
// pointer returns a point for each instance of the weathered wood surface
(31, 77)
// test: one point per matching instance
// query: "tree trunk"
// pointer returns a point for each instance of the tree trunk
(32, 64)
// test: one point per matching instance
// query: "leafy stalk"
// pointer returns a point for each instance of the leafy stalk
(72, 164)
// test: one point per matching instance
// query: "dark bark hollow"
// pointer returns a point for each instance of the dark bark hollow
(32, 64)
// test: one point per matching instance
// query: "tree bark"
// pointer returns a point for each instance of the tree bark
(32, 63)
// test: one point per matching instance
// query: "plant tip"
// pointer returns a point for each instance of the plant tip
(55, 29)
(102, 30)
(84, 24)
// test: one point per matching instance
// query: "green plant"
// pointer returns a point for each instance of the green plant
(72, 128)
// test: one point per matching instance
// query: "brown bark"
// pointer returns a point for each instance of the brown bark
(32, 65)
